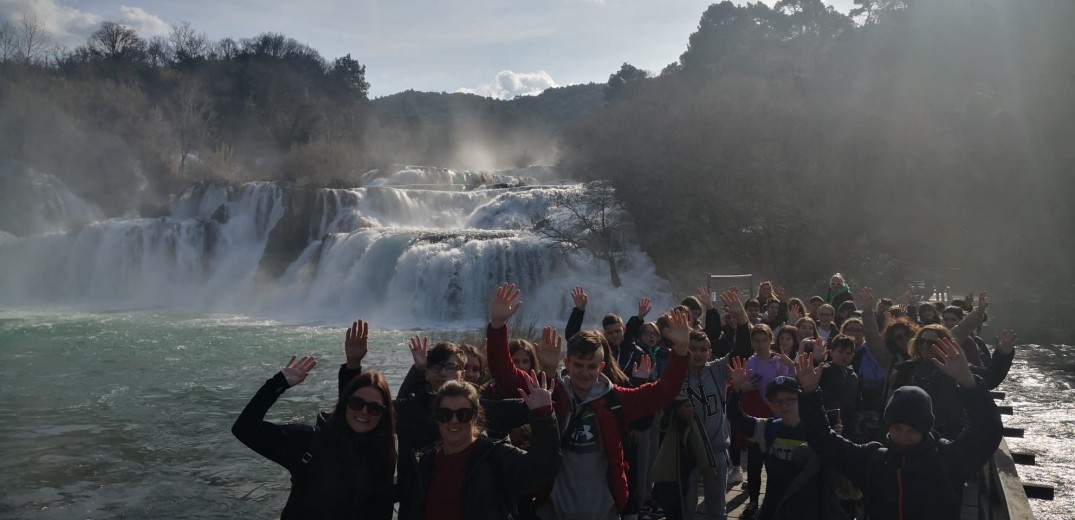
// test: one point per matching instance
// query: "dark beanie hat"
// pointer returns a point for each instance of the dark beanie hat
(912, 406)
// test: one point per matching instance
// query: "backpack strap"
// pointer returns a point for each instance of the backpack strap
(612, 401)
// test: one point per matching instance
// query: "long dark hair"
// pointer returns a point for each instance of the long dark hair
(382, 436)
(788, 331)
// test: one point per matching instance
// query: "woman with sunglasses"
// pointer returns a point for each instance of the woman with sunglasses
(839, 292)
(921, 371)
(342, 466)
(468, 475)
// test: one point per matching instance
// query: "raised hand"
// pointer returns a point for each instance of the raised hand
(738, 372)
(783, 358)
(295, 373)
(504, 305)
(579, 297)
(781, 294)
(952, 362)
(549, 351)
(643, 368)
(356, 344)
(793, 314)
(643, 308)
(730, 299)
(808, 375)
(1006, 341)
(983, 301)
(706, 296)
(419, 348)
(538, 392)
(866, 297)
(679, 332)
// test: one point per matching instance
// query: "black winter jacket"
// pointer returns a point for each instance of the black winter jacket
(416, 429)
(311, 457)
(925, 483)
(498, 474)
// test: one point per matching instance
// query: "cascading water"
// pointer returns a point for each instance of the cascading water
(417, 247)
(33, 203)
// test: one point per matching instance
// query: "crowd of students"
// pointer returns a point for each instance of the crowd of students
(854, 408)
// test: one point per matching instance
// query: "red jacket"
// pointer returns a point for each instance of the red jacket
(637, 403)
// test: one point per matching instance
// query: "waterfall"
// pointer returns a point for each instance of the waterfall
(414, 247)
(34, 203)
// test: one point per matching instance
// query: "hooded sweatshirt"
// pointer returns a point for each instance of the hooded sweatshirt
(580, 490)
(591, 430)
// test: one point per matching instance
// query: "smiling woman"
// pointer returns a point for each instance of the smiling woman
(468, 475)
(342, 467)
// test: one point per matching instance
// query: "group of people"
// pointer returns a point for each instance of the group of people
(854, 408)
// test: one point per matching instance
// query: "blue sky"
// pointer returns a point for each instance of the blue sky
(499, 48)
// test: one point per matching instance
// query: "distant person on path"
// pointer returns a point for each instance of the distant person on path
(839, 291)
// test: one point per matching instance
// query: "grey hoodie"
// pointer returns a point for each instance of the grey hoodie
(580, 490)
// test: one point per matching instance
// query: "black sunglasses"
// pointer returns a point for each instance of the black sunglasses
(444, 415)
(357, 404)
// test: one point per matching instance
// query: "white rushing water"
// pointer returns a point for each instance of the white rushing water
(32, 202)
(414, 247)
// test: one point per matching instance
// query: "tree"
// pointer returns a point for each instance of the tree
(7, 42)
(27, 42)
(349, 77)
(620, 80)
(187, 43)
(191, 114)
(593, 220)
(118, 42)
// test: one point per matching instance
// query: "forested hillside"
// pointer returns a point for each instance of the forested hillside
(123, 118)
(921, 138)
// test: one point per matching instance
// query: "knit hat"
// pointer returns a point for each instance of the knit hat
(912, 406)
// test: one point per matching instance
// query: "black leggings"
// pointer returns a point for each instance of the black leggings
(755, 461)
(735, 456)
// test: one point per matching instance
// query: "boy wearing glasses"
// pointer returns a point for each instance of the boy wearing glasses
(797, 485)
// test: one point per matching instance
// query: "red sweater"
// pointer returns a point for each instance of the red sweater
(444, 499)
(637, 403)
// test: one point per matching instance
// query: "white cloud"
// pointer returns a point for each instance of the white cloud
(65, 25)
(509, 84)
(146, 24)
(70, 26)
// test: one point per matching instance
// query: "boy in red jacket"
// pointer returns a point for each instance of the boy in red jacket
(593, 413)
